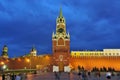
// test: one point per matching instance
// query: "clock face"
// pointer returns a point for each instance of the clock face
(60, 30)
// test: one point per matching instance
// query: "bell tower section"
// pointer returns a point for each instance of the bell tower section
(61, 43)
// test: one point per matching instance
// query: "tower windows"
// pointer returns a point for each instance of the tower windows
(75, 54)
(117, 54)
(109, 54)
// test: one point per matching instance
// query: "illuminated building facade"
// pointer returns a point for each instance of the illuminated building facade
(62, 56)
(89, 59)
(105, 52)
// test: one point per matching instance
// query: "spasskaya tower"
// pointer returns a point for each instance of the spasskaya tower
(61, 43)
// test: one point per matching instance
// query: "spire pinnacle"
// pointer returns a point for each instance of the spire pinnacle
(53, 34)
(68, 34)
(60, 13)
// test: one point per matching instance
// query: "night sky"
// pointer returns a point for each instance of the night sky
(92, 24)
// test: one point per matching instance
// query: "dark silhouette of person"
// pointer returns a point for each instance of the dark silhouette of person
(84, 75)
(80, 75)
(13, 77)
(108, 75)
(69, 75)
(57, 76)
(3, 77)
(89, 73)
(98, 75)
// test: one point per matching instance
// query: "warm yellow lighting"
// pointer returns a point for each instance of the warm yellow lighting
(2, 63)
(7, 60)
(47, 57)
(27, 60)
(4, 66)
(19, 59)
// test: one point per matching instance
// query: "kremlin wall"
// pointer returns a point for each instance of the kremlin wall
(89, 59)
(61, 55)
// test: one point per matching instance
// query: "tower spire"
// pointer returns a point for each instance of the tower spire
(33, 47)
(60, 13)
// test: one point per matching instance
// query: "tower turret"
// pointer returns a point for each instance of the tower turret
(33, 51)
(5, 52)
(53, 35)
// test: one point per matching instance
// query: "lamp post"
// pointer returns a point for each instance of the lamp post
(4, 67)
(29, 61)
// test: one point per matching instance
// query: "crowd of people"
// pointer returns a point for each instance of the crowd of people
(87, 75)
(20, 76)
(82, 75)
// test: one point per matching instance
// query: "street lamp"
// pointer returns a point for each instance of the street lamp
(4, 67)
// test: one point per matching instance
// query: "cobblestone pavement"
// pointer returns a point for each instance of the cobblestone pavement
(66, 76)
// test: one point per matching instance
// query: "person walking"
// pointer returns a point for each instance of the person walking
(80, 76)
(89, 74)
(18, 77)
(8, 77)
(118, 76)
(3, 77)
(23, 76)
(57, 75)
(13, 77)
(68, 75)
(71, 77)
(108, 75)
(98, 75)
(84, 75)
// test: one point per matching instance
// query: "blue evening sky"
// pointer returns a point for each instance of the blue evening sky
(92, 24)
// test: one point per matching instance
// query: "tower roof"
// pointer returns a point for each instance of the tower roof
(5, 45)
(33, 48)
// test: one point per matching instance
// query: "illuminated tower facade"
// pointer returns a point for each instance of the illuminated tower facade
(61, 43)
(5, 52)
